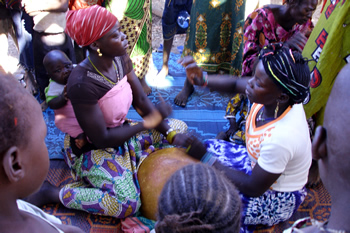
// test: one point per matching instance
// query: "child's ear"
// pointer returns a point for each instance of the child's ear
(319, 144)
(12, 164)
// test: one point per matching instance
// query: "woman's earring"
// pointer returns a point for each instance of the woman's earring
(99, 52)
(276, 110)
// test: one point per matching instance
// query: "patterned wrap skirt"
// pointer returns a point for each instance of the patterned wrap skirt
(136, 24)
(106, 180)
(215, 35)
(270, 208)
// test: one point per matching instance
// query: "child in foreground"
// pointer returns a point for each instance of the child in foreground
(198, 198)
(58, 66)
(22, 149)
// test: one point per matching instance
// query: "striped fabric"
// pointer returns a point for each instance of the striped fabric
(87, 25)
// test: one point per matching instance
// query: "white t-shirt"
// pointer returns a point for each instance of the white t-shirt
(32, 209)
(281, 146)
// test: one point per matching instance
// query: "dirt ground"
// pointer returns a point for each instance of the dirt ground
(157, 35)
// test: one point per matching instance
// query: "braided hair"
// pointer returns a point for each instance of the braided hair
(289, 71)
(198, 198)
(14, 114)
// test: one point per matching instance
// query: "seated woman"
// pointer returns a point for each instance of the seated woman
(102, 88)
(290, 23)
(272, 170)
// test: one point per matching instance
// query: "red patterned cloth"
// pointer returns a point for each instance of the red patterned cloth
(261, 29)
(81, 4)
(90, 24)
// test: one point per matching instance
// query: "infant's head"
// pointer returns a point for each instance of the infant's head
(58, 66)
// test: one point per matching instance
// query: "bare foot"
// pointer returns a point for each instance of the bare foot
(48, 194)
(181, 98)
(145, 87)
(163, 73)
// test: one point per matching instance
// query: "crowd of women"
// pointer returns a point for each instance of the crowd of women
(265, 156)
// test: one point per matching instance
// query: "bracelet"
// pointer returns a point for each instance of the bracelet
(208, 158)
(168, 131)
(230, 117)
(205, 78)
(188, 149)
(170, 136)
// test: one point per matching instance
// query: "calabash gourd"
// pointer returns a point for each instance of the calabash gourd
(153, 173)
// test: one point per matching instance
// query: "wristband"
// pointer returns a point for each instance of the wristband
(208, 158)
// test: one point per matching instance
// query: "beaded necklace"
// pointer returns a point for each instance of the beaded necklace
(116, 71)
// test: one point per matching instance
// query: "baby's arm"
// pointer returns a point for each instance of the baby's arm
(59, 101)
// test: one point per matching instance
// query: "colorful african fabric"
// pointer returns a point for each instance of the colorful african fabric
(106, 179)
(261, 29)
(87, 25)
(329, 46)
(136, 24)
(268, 209)
(214, 36)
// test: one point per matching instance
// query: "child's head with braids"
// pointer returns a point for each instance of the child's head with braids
(198, 198)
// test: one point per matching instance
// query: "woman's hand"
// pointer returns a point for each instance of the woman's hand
(152, 120)
(194, 73)
(163, 110)
(297, 41)
(64, 93)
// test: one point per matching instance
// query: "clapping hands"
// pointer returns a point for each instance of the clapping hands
(298, 40)
(163, 110)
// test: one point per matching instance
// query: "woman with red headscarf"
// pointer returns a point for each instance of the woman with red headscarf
(102, 88)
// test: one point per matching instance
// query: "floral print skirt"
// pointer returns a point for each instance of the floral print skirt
(106, 180)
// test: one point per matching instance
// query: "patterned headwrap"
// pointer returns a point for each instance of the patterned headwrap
(87, 25)
(281, 65)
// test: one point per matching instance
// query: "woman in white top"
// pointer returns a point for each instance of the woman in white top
(271, 171)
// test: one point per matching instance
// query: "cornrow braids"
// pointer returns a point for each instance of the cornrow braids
(198, 198)
(288, 70)
(14, 120)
